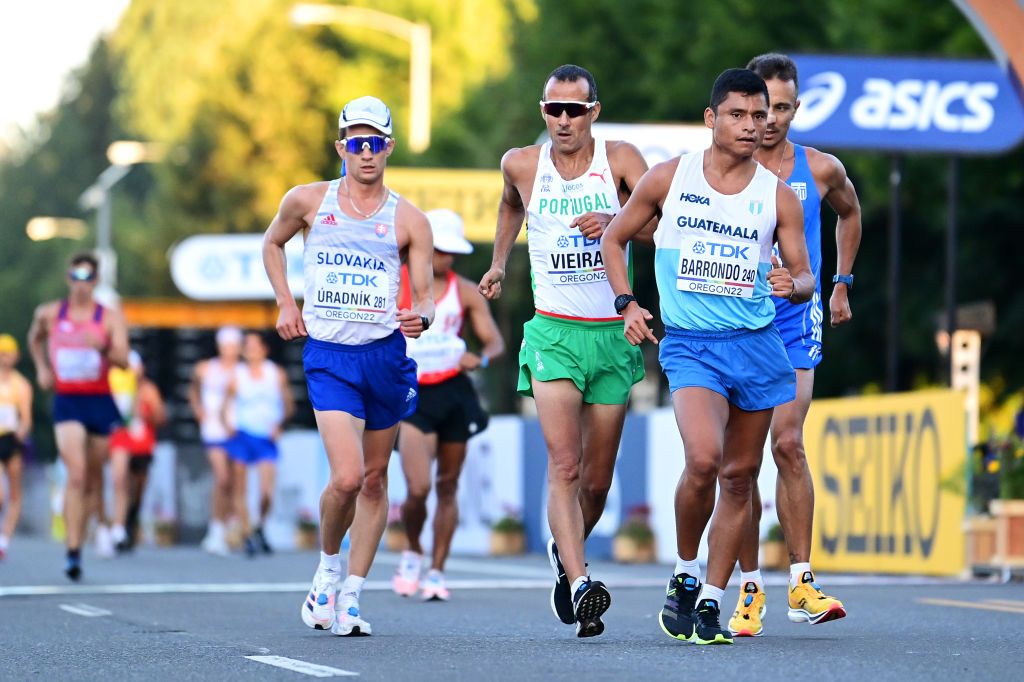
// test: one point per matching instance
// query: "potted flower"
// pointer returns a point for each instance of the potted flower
(307, 531)
(773, 549)
(394, 534)
(634, 540)
(508, 534)
(1008, 510)
(980, 527)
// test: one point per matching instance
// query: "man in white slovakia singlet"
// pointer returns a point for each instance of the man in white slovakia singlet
(449, 411)
(574, 360)
(720, 212)
(360, 381)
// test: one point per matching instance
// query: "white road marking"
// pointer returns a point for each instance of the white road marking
(303, 667)
(85, 610)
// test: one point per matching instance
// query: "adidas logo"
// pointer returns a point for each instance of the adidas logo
(329, 220)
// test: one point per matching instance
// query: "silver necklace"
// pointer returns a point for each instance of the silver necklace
(348, 191)
(783, 159)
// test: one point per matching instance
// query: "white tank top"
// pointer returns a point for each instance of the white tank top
(212, 389)
(438, 350)
(9, 418)
(569, 279)
(351, 270)
(259, 406)
(713, 251)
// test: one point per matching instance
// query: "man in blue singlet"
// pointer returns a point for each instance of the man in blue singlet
(720, 213)
(361, 383)
(814, 176)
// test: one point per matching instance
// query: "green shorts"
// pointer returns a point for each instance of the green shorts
(594, 355)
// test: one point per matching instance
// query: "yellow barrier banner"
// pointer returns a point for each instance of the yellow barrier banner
(473, 194)
(889, 482)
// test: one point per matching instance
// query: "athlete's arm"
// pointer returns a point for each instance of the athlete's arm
(157, 409)
(842, 197)
(794, 282)
(484, 327)
(290, 219)
(511, 213)
(643, 206)
(420, 262)
(117, 327)
(229, 396)
(631, 162)
(37, 336)
(195, 400)
(24, 406)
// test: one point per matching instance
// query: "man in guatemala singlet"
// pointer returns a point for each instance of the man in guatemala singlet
(448, 412)
(73, 343)
(360, 381)
(720, 212)
(814, 176)
(573, 360)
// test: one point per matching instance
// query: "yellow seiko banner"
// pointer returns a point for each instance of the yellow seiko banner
(473, 194)
(889, 482)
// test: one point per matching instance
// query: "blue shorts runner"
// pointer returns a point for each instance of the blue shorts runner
(800, 329)
(249, 449)
(375, 381)
(97, 413)
(749, 368)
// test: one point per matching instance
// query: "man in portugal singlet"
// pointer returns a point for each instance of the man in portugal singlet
(574, 360)
(361, 383)
(720, 212)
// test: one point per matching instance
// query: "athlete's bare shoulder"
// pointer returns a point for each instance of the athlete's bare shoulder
(406, 212)
(620, 151)
(47, 311)
(308, 196)
(520, 160)
(825, 167)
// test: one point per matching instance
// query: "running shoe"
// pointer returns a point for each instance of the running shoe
(676, 617)
(73, 567)
(250, 547)
(561, 597)
(348, 623)
(808, 604)
(216, 545)
(406, 580)
(318, 609)
(261, 541)
(433, 587)
(748, 618)
(707, 628)
(589, 602)
(104, 543)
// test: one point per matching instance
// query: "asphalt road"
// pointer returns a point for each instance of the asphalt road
(179, 614)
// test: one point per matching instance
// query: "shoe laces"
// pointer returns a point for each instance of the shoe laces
(708, 613)
(682, 585)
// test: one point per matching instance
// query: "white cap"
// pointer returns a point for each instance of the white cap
(368, 111)
(449, 235)
(229, 335)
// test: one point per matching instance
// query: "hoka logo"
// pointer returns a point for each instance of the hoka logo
(695, 199)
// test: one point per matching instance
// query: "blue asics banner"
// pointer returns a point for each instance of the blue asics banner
(923, 105)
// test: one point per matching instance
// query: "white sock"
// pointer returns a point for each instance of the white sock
(796, 572)
(330, 562)
(118, 533)
(576, 583)
(4, 542)
(752, 577)
(687, 566)
(216, 529)
(711, 592)
(352, 587)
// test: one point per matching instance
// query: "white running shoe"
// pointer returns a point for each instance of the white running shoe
(348, 623)
(407, 578)
(104, 543)
(215, 542)
(318, 611)
(433, 587)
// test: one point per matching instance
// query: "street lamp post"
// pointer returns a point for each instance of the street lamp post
(416, 34)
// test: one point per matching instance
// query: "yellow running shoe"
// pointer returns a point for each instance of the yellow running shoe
(808, 604)
(747, 619)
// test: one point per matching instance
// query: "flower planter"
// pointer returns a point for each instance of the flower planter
(774, 556)
(506, 543)
(165, 535)
(395, 540)
(307, 537)
(1009, 518)
(631, 550)
(980, 532)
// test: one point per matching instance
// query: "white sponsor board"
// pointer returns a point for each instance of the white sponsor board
(223, 267)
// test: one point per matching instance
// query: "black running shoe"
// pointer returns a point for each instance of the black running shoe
(250, 546)
(707, 628)
(561, 599)
(73, 567)
(676, 617)
(261, 541)
(591, 600)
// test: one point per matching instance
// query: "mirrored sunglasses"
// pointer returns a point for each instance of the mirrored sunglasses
(574, 109)
(375, 143)
(82, 273)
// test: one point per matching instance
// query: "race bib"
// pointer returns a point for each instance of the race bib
(721, 267)
(436, 353)
(575, 259)
(78, 364)
(351, 293)
(8, 418)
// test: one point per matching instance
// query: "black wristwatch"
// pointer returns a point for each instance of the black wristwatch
(426, 322)
(622, 301)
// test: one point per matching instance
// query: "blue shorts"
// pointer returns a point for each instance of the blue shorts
(800, 329)
(375, 381)
(249, 449)
(97, 413)
(749, 367)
